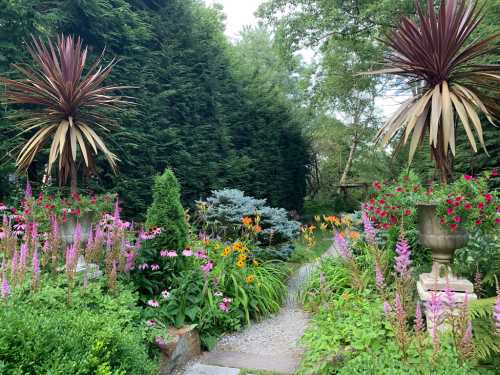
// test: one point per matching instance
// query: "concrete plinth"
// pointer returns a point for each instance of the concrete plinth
(447, 310)
(429, 281)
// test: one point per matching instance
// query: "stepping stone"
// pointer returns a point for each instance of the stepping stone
(281, 364)
(199, 369)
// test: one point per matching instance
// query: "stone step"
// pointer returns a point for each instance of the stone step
(284, 364)
(200, 369)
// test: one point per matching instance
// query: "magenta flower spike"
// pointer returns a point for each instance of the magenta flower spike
(28, 192)
(466, 339)
(387, 309)
(403, 261)
(23, 257)
(419, 321)
(379, 277)
(129, 263)
(342, 246)
(13, 264)
(369, 229)
(5, 291)
(496, 315)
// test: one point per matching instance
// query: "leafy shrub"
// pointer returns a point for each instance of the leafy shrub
(166, 212)
(41, 334)
(223, 211)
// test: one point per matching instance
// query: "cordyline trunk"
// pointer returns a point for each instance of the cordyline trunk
(74, 177)
(442, 159)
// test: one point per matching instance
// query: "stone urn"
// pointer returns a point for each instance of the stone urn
(443, 244)
(68, 228)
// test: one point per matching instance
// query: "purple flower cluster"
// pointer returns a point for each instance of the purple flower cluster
(403, 261)
(496, 314)
(369, 229)
(379, 277)
(342, 246)
(225, 304)
(5, 291)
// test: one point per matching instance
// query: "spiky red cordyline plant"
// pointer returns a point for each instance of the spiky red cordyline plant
(433, 56)
(70, 105)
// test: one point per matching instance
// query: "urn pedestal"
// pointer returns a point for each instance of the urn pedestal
(443, 244)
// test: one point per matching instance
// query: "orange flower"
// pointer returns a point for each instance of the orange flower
(257, 229)
(354, 235)
(247, 221)
(238, 246)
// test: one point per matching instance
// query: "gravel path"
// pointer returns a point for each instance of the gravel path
(278, 335)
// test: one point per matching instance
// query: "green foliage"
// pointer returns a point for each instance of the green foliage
(166, 212)
(195, 111)
(96, 334)
(486, 344)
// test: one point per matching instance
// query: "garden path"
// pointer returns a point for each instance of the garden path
(269, 345)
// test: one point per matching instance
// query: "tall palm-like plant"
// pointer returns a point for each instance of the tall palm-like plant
(67, 105)
(450, 81)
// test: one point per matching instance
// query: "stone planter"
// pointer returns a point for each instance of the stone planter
(440, 240)
(68, 228)
(443, 244)
(183, 346)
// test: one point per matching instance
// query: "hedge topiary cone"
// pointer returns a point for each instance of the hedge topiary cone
(167, 213)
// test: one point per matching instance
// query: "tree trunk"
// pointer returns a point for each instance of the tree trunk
(348, 166)
(442, 159)
(74, 177)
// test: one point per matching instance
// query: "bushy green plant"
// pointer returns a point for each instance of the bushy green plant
(166, 212)
(223, 211)
(96, 334)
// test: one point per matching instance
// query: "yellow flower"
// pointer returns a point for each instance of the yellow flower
(242, 257)
(317, 218)
(250, 279)
(240, 264)
(217, 246)
(255, 263)
(257, 219)
(238, 246)
(247, 221)
(323, 226)
(226, 251)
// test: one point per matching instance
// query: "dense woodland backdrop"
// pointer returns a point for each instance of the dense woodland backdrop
(251, 115)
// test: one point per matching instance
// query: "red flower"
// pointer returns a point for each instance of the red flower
(453, 227)
(77, 212)
(386, 226)
(383, 214)
(480, 205)
(449, 201)
(393, 219)
(478, 222)
(47, 206)
(468, 206)
(488, 197)
(27, 211)
(442, 221)
(370, 208)
(399, 189)
(377, 210)
(14, 211)
(457, 219)
(407, 212)
(497, 220)
(93, 200)
(467, 177)
(498, 208)
(458, 199)
(376, 185)
(450, 211)
(382, 201)
(494, 172)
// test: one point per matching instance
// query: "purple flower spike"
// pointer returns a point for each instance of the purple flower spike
(387, 308)
(419, 321)
(369, 230)
(379, 277)
(28, 192)
(342, 246)
(5, 288)
(403, 261)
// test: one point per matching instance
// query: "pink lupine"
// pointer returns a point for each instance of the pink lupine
(379, 277)
(387, 308)
(419, 321)
(342, 247)
(369, 230)
(5, 291)
(129, 260)
(28, 192)
(403, 261)
(35, 269)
